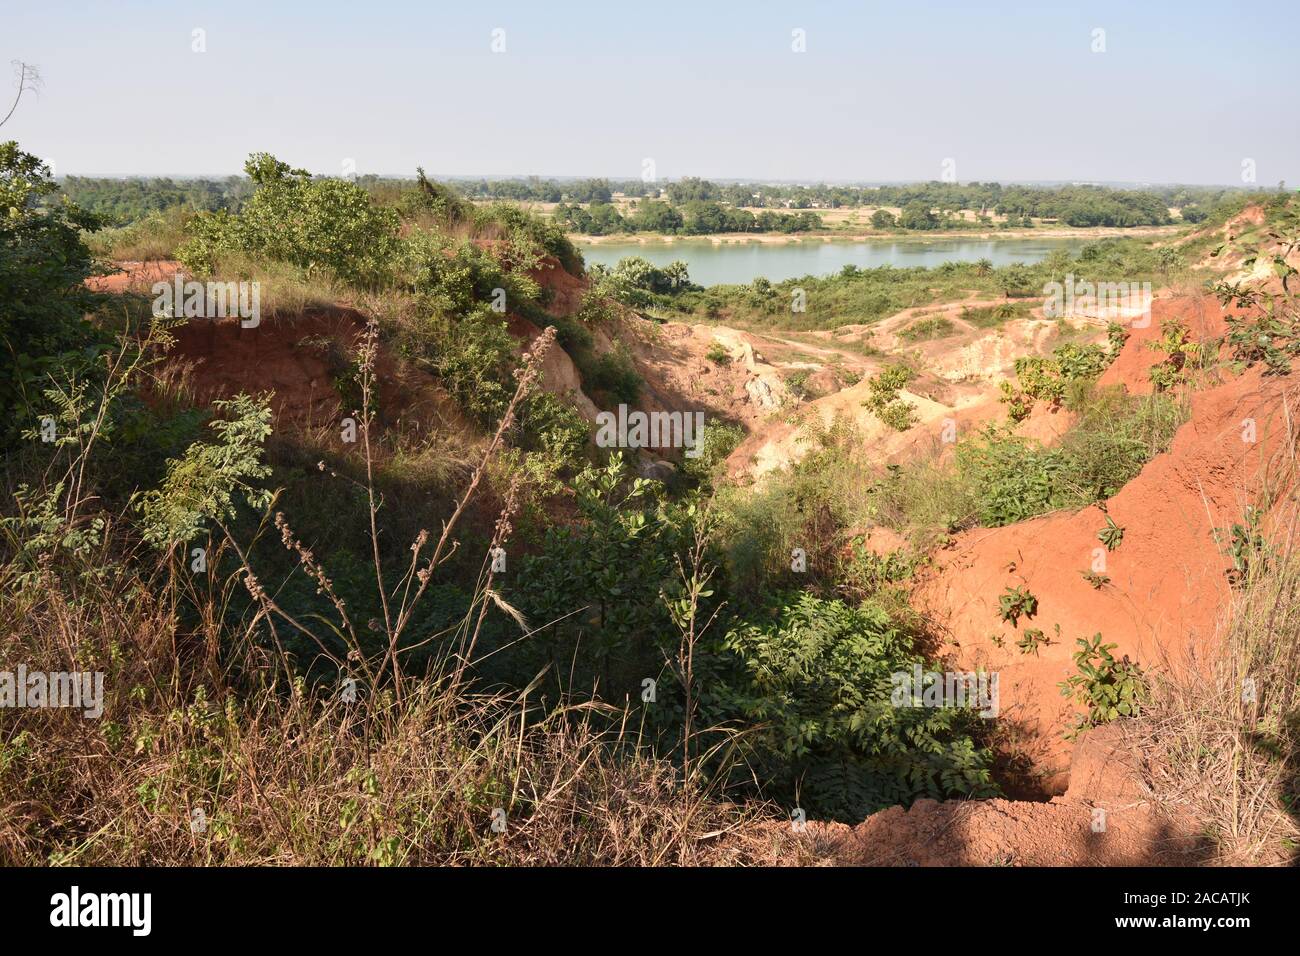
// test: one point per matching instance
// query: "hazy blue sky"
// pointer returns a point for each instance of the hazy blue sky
(886, 90)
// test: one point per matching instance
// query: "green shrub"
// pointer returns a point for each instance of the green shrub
(1107, 688)
(592, 586)
(1015, 603)
(1012, 478)
(201, 485)
(614, 373)
(811, 678)
(720, 440)
(325, 225)
(884, 402)
(43, 297)
(935, 327)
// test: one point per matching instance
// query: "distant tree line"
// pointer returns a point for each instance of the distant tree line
(693, 218)
(695, 206)
(121, 201)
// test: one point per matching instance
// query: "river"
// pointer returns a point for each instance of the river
(737, 263)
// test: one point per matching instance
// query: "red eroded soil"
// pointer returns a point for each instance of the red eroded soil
(300, 360)
(1104, 819)
(136, 276)
(1167, 584)
(566, 290)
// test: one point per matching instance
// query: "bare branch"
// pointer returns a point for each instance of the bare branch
(29, 78)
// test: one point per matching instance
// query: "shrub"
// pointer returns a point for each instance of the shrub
(811, 677)
(1012, 478)
(1015, 603)
(201, 486)
(1107, 688)
(316, 224)
(936, 327)
(884, 402)
(615, 373)
(43, 297)
(720, 440)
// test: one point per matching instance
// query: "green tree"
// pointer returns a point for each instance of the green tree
(43, 297)
(917, 215)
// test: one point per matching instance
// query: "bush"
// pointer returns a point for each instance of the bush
(812, 678)
(316, 224)
(614, 373)
(43, 297)
(935, 327)
(884, 402)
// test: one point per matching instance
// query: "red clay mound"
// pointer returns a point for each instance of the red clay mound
(566, 290)
(1167, 578)
(300, 360)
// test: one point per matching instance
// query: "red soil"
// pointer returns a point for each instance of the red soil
(1104, 819)
(1168, 586)
(136, 276)
(299, 361)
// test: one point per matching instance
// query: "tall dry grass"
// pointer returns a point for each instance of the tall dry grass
(212, 749)
(1220, 732)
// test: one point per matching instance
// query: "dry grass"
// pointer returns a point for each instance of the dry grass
(214, 749)
(152, 238)
(201, 762)
(1222, 736)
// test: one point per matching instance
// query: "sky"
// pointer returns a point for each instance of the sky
(1169, 92)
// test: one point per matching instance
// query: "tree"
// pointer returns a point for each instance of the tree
(917, 215)
(883, 219)
(654, 216)
(43, 269)
(1013, 279)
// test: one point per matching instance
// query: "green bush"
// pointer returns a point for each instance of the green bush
(592, 586)
(43, 297)
(316, 224)
(614, 373)
(884, 402)
(811, 678)
(935, 327)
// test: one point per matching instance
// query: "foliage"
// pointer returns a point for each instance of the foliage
(883, 399)
(1015, 603)
(316, 224)
(43, 297)
(1243, 543)
(1031, 640)
(592, 586)
(936, 327)
(1096, 580)
(613, 373)
(1106, 687)
(202, 484)
(1112, 535)
(1176, 343)
(811, 677)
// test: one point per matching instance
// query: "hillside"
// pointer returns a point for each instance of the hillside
(383, 503)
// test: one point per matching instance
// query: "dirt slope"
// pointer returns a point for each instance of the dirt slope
(1168, 584)
(1104, 819)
